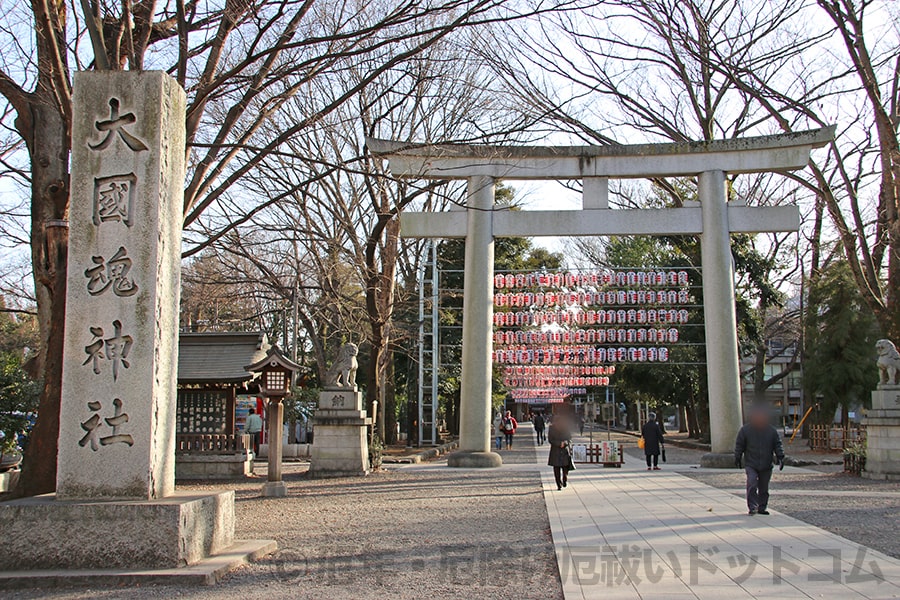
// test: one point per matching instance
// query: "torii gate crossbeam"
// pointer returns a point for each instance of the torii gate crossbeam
(713, 218)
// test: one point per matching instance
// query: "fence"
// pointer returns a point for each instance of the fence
(826, 438)
(611, 455)
(217, 443)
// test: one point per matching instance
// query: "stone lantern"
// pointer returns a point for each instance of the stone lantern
(276, 373)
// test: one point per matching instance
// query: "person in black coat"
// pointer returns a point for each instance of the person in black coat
(757, 444)
(559, 436)
(539, 426)
(654, 440)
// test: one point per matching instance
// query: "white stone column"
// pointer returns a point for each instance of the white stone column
(722, 365)
(478, 311)
(117, 417)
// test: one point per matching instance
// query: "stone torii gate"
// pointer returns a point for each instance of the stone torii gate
(713, 218)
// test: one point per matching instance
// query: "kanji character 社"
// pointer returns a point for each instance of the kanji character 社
(90, 427)
(116, 421)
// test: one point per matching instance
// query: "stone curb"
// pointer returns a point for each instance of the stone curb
(208, 571)
(419, 457)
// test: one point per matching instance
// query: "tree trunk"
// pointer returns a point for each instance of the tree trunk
(759, 374)
(702, 417)
(380, 306)
(390, 401)
(49, 237)
(373, 377)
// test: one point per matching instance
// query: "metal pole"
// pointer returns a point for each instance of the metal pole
(421, 340)
(435, 339)
(295, 333)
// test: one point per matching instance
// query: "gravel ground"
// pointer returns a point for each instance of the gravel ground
(400, 533)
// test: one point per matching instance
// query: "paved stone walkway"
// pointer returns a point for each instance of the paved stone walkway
(633, 534)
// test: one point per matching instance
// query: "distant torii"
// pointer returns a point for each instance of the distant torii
(713, 218)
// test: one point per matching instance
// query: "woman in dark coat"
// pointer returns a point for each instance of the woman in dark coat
(653, 441)
(559, 436)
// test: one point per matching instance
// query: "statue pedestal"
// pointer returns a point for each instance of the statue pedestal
(341, 446)
(883, 434)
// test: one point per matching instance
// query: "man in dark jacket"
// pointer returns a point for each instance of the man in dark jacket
(654, 439)
(539, 426)
(757, 443)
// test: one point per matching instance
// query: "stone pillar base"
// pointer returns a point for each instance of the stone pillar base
(274, 489)
(176, 531)
(883, 435)
(714, 460)
(341, 446)
(468, 459)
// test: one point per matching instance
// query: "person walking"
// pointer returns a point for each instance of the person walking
(559, 436)
(254, 427)
(757, 444)
(509, 427)
(654, 441)
(581, 421)
(498, 431)
(539, 426)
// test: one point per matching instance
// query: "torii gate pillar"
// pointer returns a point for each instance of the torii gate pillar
(723, 374)
(478, 303)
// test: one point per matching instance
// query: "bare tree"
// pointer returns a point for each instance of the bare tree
(336, 202)
(240, 63)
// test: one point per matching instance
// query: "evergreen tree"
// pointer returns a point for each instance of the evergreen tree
(841, 331)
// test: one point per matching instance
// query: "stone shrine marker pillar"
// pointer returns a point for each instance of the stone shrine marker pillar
(116, 506)
(117, 419)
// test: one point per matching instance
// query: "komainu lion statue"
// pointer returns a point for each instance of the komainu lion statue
(888, 361)
(342, 373)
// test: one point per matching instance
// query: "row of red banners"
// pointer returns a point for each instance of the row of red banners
(540, 382)
(540, 400)
(588, 336)
(550, 299)
(555, 392)
(582, 355)
(591, 317)
(607, 278)
(559, 371)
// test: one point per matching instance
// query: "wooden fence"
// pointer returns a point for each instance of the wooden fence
(824, 438)
(215, 443)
